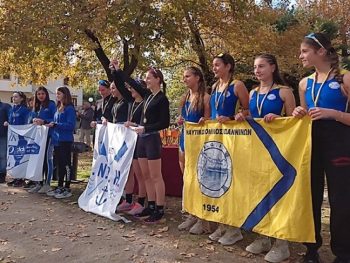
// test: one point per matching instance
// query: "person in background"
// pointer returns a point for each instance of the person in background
(86, 116)
(4, 113)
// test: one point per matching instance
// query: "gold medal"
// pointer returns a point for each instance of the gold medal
(144, 120)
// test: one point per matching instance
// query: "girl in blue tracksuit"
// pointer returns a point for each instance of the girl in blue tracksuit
(270, 100)
(324, 96)
(18, 115)
(63, 127)
(43, 113)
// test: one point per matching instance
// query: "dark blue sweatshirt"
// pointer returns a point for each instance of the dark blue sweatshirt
(18, 115)
(65, 124)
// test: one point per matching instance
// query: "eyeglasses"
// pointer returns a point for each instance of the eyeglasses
(313, 37)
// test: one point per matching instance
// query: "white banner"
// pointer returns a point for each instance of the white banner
(26, 151)
(113, 154)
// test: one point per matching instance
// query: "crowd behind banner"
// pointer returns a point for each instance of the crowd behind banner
(142, 106)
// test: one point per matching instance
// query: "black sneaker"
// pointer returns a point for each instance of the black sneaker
(2, 178)
(29, 184)
(154, 218)
(12, 182)
(18, 183)
(311, 258)
(145, 213)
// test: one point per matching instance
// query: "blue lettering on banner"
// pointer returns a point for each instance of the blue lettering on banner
(102, 171)
(280, 188)
(22, 148)
(121, 152)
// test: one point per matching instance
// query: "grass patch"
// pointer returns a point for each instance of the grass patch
(84, 166)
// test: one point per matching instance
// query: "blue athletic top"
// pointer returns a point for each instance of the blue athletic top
(18, 115)
(273, 103)
(227, 105)
(192, 116)
(331, 96)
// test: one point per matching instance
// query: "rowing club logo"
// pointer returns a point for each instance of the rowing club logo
(214, 169)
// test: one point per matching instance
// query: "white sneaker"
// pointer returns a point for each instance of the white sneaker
(64, 193)
(197, 228)
(35, 189)
(188, 223)
(44, 189)
(231, 236)
(218, 233)
(278, 252)
(261, 244)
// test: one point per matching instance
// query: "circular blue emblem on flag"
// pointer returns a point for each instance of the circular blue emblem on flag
(214, 169)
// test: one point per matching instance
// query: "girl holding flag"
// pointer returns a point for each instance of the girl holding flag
(18, 115)
(194, 107)
(324, 96)
(270, 100)
(227, 97)
(135, 100)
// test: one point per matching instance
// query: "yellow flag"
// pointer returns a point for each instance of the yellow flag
(251, 174)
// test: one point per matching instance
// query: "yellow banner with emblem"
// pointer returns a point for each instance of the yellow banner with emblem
(253, 175)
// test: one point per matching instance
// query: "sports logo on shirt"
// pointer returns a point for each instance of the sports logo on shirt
(334, 85)
(228, 94)
(214, 169)
(271, 97)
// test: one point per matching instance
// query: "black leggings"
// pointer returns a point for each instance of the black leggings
(63, 154)
(331, 157)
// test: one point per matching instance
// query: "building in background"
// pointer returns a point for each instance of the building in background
(10, 84)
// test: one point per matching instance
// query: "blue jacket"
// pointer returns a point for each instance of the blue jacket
(46, 114)
(64, 125)
(4, 116)
(18, 115)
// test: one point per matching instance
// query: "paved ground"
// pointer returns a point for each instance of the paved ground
(38, 229)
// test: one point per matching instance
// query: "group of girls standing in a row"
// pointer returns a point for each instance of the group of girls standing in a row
(60, 119)
(142, 106)
(324, 96)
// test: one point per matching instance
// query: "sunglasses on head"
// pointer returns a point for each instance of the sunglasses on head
(103, 82)
(313, 37)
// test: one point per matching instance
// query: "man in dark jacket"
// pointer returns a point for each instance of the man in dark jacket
(4, 112)
(86, 117)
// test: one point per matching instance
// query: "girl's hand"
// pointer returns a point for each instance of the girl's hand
(139, 129)
(202, 120)
(38, 121)
(6, 124)
(240, 116)
(114, 64)
(51, 124)
(299, 112)
(321, 113)
(104, 121)
(270, 117)
(223, 119)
